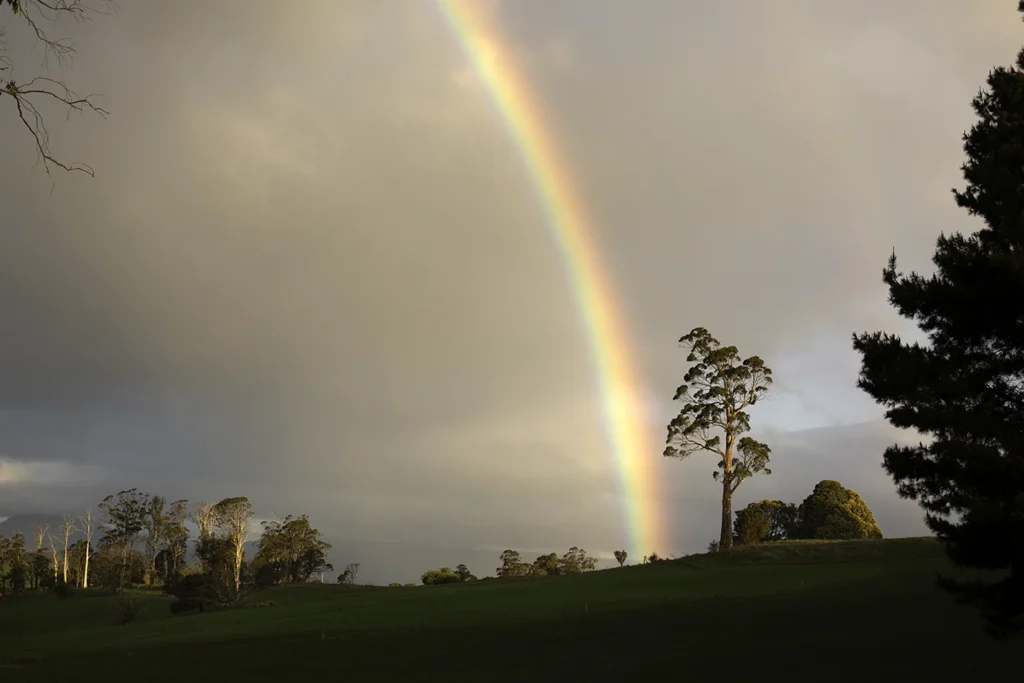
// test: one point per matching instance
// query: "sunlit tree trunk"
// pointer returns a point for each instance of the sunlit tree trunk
(87, 529)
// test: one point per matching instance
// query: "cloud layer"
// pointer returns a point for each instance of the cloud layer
(311, 268)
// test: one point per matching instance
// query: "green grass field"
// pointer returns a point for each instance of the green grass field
(846, 611)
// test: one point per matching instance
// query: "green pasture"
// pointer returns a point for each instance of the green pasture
(836, 611)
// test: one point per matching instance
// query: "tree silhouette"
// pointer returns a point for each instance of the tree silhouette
(964, 388)
(718, 389)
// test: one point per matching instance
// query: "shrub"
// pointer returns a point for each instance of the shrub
(435, 577)
(752, 526)
(62, 590)
(191, 592)
(16, 577)
(833, 511)
(127, 609)
(713, 547)
(268, 575)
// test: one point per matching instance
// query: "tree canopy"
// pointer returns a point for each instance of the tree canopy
(833, 511)
(765, 521)
(964, 388)
(292, 548)
(717, 391)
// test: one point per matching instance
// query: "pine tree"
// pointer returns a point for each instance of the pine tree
(964, 388)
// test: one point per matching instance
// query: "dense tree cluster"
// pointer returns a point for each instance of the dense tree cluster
(830, 512)
(764, 521)
(290, 551)
(574, 561)
(437, 577)
(143, 539)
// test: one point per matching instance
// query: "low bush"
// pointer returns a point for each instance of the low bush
(127, 609)
(62, 590)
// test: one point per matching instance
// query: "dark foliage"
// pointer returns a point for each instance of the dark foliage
(217, 578)
(965, 388)
(546, 565)
(183, 605)
(292, 550)
(765, 521)
(268, 576)
(576, 561)
(127, 609)
(191, 592)
(108, 569)
(62, 590)
(512, 566)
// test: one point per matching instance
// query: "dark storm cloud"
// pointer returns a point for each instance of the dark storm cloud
(311, 268)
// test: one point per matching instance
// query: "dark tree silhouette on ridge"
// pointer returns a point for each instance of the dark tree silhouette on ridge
(964, 388)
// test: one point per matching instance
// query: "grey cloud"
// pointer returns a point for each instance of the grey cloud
(312, 269)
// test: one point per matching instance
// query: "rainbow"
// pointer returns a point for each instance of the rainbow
(633, 454)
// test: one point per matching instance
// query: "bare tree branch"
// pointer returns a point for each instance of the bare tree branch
(25, 94)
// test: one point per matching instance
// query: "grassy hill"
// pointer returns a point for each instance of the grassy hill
(842, 611)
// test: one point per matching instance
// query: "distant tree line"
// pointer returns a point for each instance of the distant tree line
(141, 539)
(574, 561)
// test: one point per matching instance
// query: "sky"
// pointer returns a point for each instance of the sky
(312, 268)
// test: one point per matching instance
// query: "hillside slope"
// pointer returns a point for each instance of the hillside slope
(801, 611)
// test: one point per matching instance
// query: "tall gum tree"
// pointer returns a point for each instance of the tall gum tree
(717, 391)
(234, 518)
(87, 527)
(964, 387)
(67, 527)
(124, 522)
